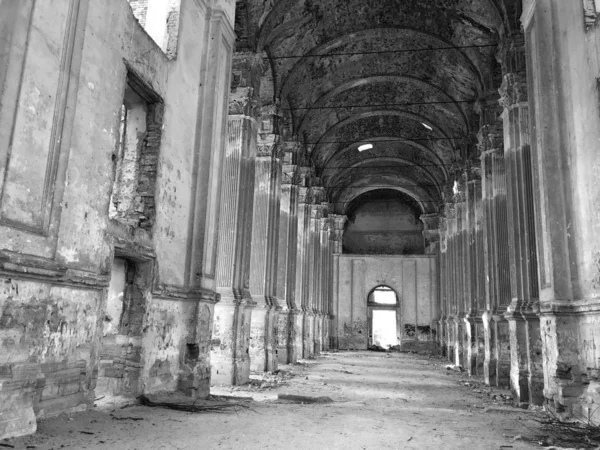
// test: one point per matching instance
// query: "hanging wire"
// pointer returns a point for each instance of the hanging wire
(380, 52)
(381, 105)
(398, 139)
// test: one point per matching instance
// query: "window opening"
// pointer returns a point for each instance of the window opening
(136, 156)
(160, 19)
(383, 295)
(591, 9)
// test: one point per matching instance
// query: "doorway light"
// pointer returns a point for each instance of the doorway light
(427, 126)
(364, 147)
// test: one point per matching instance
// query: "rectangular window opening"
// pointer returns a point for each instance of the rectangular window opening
(136, 156)
(160, 19)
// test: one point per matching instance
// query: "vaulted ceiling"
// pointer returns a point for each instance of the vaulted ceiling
(402, 75)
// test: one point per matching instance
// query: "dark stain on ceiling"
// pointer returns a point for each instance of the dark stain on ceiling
(403, 75)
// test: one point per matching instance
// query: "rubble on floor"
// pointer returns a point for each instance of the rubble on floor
(181, 402)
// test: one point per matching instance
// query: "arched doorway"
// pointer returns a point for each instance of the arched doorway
(383, 313)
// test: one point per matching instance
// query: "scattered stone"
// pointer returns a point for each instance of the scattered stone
(505, 410)
(304, 398)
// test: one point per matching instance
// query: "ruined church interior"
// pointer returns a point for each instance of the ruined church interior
(313, 223)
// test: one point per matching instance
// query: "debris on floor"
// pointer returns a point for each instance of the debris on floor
(454, 367)
(182, 402)
(560, 434)
(270, 380)
(304, 398)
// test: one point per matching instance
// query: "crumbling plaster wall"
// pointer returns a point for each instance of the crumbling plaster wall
(569, 217)
(413, 277)
(55, 271)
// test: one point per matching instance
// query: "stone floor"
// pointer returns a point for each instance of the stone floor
(381, 401)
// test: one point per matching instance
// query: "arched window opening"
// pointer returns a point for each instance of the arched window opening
(383, 295)
(383, 318)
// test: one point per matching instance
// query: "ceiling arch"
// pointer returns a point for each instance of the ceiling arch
(395, 125)
(392, 91)
(402, 75)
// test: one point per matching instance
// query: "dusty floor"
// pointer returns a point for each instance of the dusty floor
(381, 401)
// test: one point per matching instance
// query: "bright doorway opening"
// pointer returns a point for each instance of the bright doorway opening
(383, 310)
(384, 328)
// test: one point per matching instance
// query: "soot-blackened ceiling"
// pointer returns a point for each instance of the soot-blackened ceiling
(402, 75)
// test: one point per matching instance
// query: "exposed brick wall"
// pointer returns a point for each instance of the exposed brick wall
(140, 9)
(136, 163)
(145, 204)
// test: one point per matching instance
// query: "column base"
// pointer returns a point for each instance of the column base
(468, 343)
(479, 346)
(326, 337)
(459, 339)
(229, 359)
(318, 334)
(501, 346)
(450, 339)
(284, 331)
(308, 350)
(519, 370)
(258, 339)
(295, 351)
(272, 339)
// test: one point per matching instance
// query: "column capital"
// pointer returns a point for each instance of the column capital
(475, 174)
(319, 210)
(304, 195)
(315, 212)
(268, 145)
(338, 221)
(490, 138)
(513, 91)
(324, 223)
(318, 193)
(431, 223)
(305, 174)
(511, 51)
(289, 174)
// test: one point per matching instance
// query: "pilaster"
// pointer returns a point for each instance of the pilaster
(265, 221)
(336, 227)
(286, 264)
(230, 361)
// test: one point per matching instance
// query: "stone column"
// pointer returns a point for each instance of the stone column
(472, 318)
(431, 234)
(337, 234)
(502, 268)
(464, 275)
(526, 381)
(264, 233)
(495, 246)
(301, 287)
(312, 269)
(286, 263)
(451, 281)
(324, 280)
(229, 358)
(443, 294)
(478, 264)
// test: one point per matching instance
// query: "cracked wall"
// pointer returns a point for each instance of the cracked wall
(65, 331)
